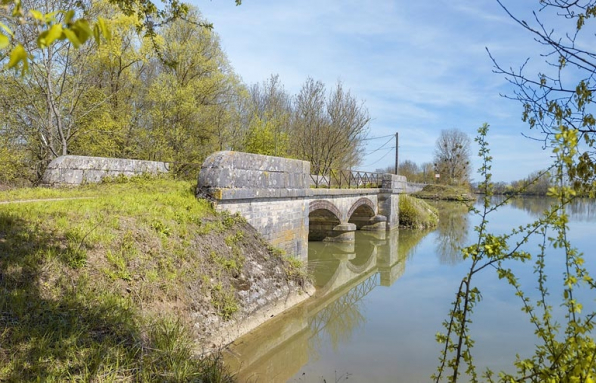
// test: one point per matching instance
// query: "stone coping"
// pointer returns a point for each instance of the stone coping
(343, 192)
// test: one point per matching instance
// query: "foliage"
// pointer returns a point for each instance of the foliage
(423, 173)
(265, 116)
(566, 352)
(72, 24)
(120, 99)
(452, 157)
(416, 213)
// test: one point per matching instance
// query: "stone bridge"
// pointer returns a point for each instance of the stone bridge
(275, 197)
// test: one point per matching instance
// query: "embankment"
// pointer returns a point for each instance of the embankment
(130, 282)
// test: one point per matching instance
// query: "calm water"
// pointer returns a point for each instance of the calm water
(380, 302)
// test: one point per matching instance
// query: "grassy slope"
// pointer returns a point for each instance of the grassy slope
(416, 214)
(445, 192)
(117, 286)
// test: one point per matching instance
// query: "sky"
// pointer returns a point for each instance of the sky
(419, 67)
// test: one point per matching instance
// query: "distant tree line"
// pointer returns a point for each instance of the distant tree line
(171, 97)
(536, 183)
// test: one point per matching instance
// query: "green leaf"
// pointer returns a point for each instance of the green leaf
(46, 38)
(104, 29)
(82, 30)
(17, 56)
(4, 41)
(68, 16)
(37, 15)
(72, 37)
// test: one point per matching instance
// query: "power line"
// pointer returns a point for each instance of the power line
(376, 138)
(380, 147)
(385, 155)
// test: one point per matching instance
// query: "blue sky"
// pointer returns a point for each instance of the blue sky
(419, 66)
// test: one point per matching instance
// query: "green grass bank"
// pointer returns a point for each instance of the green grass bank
(445, 193)
(415, 213)
(126, 281)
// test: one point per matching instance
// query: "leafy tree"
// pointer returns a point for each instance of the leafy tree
(266, 119)
(115, 77)
(76, 26)
(43, 105)
(185, 98)
(410, 170)
(452, 157)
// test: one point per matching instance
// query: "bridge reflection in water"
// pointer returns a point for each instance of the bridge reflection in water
(344, 274)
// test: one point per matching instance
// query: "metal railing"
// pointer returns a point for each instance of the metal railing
(347, 179)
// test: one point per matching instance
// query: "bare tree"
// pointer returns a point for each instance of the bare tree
(328, 130)
(452, 157)
(410, 170)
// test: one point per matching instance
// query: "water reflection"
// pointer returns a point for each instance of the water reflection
(580, 209)
(344, 274)
(453, 231)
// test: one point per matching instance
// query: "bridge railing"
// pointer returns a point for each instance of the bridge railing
(347, 179)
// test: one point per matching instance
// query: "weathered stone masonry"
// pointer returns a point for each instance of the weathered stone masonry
(76, 170)
(275, 197)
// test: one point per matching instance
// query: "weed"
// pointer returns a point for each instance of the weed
(224, 300)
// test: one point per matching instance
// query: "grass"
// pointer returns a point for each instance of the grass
(417, 214)
(445, 192)
(113, 287)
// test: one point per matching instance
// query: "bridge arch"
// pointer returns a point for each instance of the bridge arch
(321, 204)
(361, 212)
(323, 217)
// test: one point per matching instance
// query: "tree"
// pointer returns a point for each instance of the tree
(76, 26)
(452, 157)
(42, 105)
(267, 118)
(187, 95)
(559, 99)
(328, 130)
(411, 170)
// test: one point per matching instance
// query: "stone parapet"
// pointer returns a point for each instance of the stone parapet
(237, 170)
(395, 183)
(76, 170)
(343, 192)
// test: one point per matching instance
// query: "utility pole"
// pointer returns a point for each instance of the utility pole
(396, 151)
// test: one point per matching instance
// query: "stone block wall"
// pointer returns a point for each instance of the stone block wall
(283, 223)
(76, 170)
(394, 182)
(270, 192)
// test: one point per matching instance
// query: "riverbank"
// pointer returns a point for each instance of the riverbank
(445, 193)
(415, 213)
(122, 281)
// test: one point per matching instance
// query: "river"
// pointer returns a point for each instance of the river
(381, 300)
